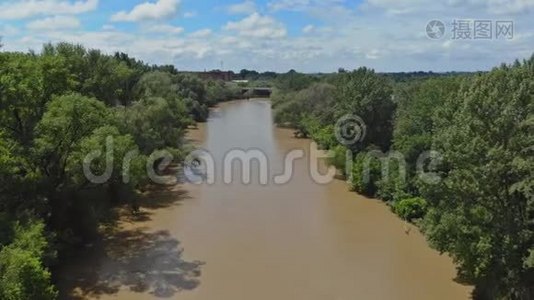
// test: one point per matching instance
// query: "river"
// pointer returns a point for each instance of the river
(299, 240)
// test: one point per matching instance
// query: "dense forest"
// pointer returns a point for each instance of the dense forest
(59, 105)
(477, 130)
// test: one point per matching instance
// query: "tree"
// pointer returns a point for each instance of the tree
(91, 73)
(415, 110)
(293, 81)
(413, 130)
(21, 265)
(67, 121)
(308, 110)
(118, 162)
(26, 85)
(154, 123)
(177, 90)
(106, 79)
(18, 179)
(482, 210)
(367, 95)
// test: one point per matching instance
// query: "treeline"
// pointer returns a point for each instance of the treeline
(57, 107)
(453, 154)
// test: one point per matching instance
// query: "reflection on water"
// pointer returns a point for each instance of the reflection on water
(299, 240)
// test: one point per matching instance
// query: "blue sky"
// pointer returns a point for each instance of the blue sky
(307, 35)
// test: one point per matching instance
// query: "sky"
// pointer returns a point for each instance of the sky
(279, 35)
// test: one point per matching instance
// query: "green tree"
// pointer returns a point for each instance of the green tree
(482, 210)
(369, 96)
(417, 102)
(18, 179)
(154, 123)
(67, 121)
(112, 148)
(27, 83)
(293, 81)
(411, 208)
(416, 105)
(21, 265)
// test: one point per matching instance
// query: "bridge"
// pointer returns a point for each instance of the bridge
(262, 92)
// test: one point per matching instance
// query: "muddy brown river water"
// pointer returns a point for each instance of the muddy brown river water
(300, 240)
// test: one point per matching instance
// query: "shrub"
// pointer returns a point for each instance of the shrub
(395, 186)
(339, 160)
(365, 174)
(411, 208)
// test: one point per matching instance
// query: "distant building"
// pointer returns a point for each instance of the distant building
(214, 75)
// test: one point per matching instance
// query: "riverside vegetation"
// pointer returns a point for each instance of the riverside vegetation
(482, 126)
(55, 108)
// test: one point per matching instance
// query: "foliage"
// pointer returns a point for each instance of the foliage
(68, 120)
(307, 110)
(411, 208)
(94, 74)
(482, 210)
(177, 90)
(219, 91)
(27, 83)
(18, 179)
(339, 158)
(396, 185)
(293, 81)
(416, 104)
(21, 265)
(366, 172)
(112, 146)
(365, 94)
(154, 123)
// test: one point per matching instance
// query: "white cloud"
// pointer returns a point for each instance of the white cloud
(288, 4)
(301, 5)
(247, 7)
(308, 28)
(54, 23)
(28, 8)
(496, 7)
(108, 27)
(258, 26)
(9, 30)
(373, 54)
(201, 33)
(511, 6)
(162, 28)
(162, 9)
(190, 14)
(398, 7)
